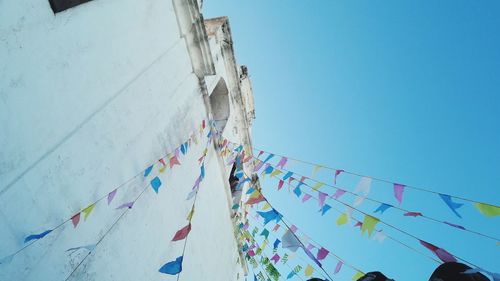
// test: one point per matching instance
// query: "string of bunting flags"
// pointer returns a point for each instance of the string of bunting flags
(168, 161)
(369, 222)
(487, 209)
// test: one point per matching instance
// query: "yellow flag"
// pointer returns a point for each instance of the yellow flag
(318, 185)
(190, 215)
(255, 194)
(276, 172)
(488, 210)
(264, 244)
(87, 211)
(369, 224)
(315, 170)
(309, 270)
(342, 219)
(358, 275)
(195, 139)
(266, 206)
(162, 169)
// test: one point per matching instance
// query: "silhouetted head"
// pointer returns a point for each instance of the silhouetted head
(454, 271)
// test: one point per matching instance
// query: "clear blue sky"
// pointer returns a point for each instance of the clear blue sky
(403, 90)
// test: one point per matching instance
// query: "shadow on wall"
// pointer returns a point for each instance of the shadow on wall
(219, 101)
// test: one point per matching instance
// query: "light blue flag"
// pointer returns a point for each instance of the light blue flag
(453, 205)
(155, 184)
(382, 208)
(148, 170)
(173, 267)
(270, 215)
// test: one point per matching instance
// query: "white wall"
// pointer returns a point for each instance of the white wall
(89, 98)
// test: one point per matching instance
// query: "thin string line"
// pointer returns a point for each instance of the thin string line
(374, 178)
(95, 202)
(191, 216)
(107, 232)
(275, 236)
(254, 241)
(394, 227)
(381, 202)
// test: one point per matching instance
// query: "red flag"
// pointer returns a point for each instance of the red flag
(75, 219)
(182, 233)
(203, 124)
(280, 184)
(174, 161)
(258, 199)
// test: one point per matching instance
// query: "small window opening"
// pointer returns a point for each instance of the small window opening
(219, 102)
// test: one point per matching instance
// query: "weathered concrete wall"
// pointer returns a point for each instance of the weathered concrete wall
(88, 98)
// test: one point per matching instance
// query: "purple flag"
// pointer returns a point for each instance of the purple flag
(339, 192)
(338, 267)
(398, 192)
(282, 162)
(322, 253)
(321, 198)
(111, 195)
(126, 205)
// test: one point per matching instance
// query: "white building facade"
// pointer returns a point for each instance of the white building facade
(91, 96)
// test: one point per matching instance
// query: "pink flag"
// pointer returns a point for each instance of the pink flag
(276, 227)
(321, 198)
(75, 219)
(337, 172)
(182, 233)
(275, 258)
(251, 253)
(310, 246)
(339, 192)
(162, 161)
(322, 253)
(443, 255)
(398, 192)
(111, 195)
(306, 197)
(174, 161)
(280, 184)
(412, 214)
(282, 162)
(338, 267)
(293, 228)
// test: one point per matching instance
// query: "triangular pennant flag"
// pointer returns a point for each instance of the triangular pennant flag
(382, 208)
(369, 224)
(442, 254)
(309, 270)
(290, 241)
(126, 205)
(325, 209)
(282, 162)
(111, 195)
(379, 236)
(321, 198)
(183, 149)
(155, 184)
(148, 170)
(338, 267)
(190, 214)
(86, 212)
(276, 243)
(357, 276)
(339, 192)
(252, 201)
(297, 191)
(487, 210)
(37, 236)
(7, 259)
(362, 189)
(265, 233)
(269, 169)
(337, 173)
(412, 214)
(342, 219)
(318, 185)
(266, 206)
(358, 223)
(398, 192)
(280, 184)
(276, 172)
(182, 233)
(322, 253)
(270, 215)
(287, 175)
(275, 258)
(453, 205)
(311, 256)
(306, 197)
(174, 161)
(173, 267)
(75, 220)
(250, 190)
(315, 170)
(276, 227)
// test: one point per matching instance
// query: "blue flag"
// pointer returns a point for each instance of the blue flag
(37, 236)
(173, 267)
(270, 215)
(453, 205)
(382, 208)
(148, 170)
(297, 191)
(155, 184)
(287, 175)
(325, 209)
(183, 149)
(276, 243)
(290, 275)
